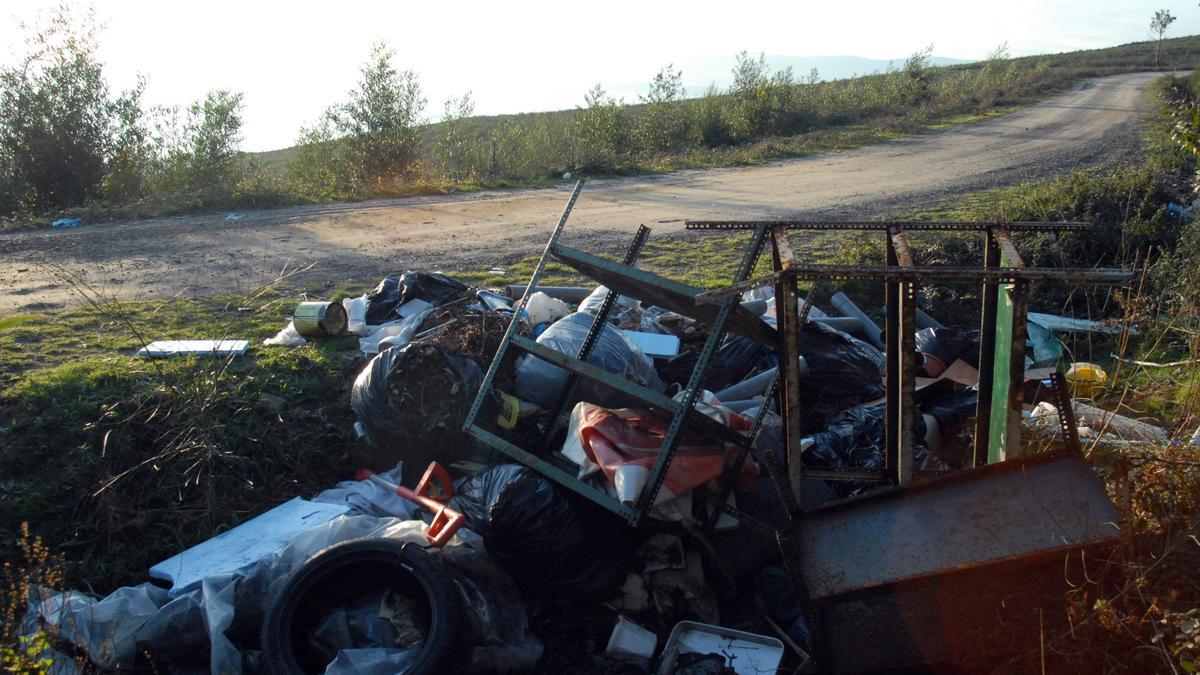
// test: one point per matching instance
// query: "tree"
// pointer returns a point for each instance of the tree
(919, 79)
(664, 123)
(454, 144)
(214, 133)
(762, 103)
(1158, 25)
(599, 132)
(55, 113)
(380, 120)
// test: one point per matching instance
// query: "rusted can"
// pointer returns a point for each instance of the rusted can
(319, 319)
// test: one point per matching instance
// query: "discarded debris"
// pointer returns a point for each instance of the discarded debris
(164, 348)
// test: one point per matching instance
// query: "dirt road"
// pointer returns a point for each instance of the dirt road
(358, 243)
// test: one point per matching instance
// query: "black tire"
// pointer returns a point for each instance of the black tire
(350, 567)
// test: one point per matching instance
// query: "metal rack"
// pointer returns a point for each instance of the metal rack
(1005, 278)
(624, 279)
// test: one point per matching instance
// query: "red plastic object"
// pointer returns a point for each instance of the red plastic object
(446, 520)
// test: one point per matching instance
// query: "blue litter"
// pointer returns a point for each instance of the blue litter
(67, 222)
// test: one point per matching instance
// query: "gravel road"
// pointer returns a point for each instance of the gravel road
(201, 255)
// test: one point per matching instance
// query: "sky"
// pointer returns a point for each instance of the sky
(293, 59)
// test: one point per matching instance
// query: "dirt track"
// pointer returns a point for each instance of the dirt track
(358, 243)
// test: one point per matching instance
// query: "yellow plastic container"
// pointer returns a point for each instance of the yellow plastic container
(1086, 379)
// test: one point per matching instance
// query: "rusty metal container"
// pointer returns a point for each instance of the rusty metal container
(319, 319)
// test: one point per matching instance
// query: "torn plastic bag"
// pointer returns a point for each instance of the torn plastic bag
(736, 359)
(392, 334)
(553, 543)
(374, 661)
(591, 304)
(398, 289)
(854, 439)
(209, 625)
(287, 337)
(625, 444)
(941, 347)
(412, 402)
(539, 382)
(842, 372)
(502, 639)
(542, 308)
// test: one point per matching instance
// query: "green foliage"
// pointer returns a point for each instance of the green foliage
(380, 119)
(200, 165)
(761, 103)
(1158, 25)
(599, 133)
(457, 149)
(664, 123)
(123, 461)
(56, 118)
(370, 143)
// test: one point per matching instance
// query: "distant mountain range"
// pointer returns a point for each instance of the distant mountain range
(699, 73)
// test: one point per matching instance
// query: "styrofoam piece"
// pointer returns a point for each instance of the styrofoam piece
(746, 653)
(161, 348)
(654, 345)
(631, 642)
(245, 544)
(629, 481)
(414, 306)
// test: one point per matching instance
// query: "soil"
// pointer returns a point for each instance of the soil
(355, 244)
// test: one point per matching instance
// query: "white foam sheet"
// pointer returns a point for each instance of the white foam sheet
(654, 345)
(162, 348)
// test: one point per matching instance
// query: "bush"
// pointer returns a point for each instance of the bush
(57, 118)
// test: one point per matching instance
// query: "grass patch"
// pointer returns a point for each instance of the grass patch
(118, 462)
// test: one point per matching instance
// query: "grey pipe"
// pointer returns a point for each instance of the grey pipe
(814, 312)
(756, 307)
(926, 321)
(754, 386)
(870, 331)
(846, 324)
(571, 294)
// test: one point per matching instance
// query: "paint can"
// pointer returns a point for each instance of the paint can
(319, 319)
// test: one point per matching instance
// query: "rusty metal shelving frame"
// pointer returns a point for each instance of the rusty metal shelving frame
(624, 279)
(1005, 278)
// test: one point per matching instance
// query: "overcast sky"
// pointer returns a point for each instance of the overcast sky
(292, 59)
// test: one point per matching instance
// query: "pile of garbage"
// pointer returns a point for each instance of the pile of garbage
(444, 556)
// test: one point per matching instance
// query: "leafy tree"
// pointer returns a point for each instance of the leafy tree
(133, 152)
(456, 135)
(55, 117)
(214, 134)
(1158, 25)
(380, 120)
(320, 169)
(762, 103)
(711, 119)
(664, 123)
(599, 132)
(919, 79)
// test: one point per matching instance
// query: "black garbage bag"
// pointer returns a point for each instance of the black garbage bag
(941, 347)
(552, 543)
(737, 358)
(539, 382)
(397, 289)
(855, 439)
(412, 401)
(951, 406)
(843, 372)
